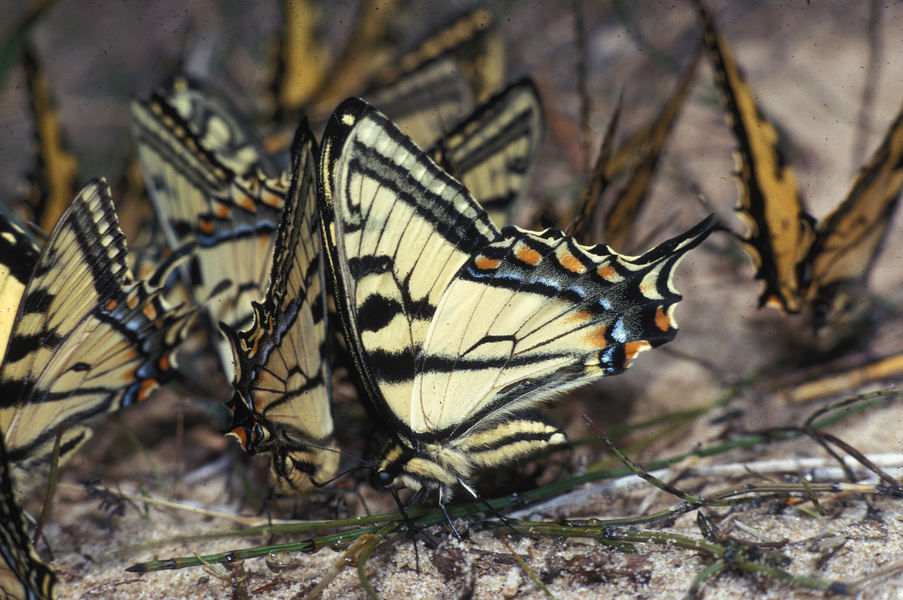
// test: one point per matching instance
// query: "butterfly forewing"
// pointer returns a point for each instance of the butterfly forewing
(492, 152)
(780, 232)
(401, 230)
(849, 238)
(87, 338)
(431, 88)
(282, 378)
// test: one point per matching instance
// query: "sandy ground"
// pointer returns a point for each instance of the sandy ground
(813, 66)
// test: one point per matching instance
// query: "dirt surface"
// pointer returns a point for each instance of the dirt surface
(829, 73)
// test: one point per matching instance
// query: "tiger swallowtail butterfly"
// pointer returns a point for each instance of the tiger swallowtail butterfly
(23, 575)
(802, 265)
(282, 383)
(460, 331)
(209, 182)
(86, 338)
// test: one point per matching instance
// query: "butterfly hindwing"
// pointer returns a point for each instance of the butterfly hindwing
(23, 575)
(86, 339)
(493, 151)
(282, 378)
(460, 330)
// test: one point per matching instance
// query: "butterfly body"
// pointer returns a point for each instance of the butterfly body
(459, 331)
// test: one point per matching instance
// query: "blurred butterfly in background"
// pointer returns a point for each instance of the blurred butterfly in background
(819, 268)
(460, 331)
(212, 185)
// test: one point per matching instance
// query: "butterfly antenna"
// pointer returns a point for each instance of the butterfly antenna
(323, 484)
(507, 521)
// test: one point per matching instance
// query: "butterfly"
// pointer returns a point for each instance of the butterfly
(23, 575)
(460, 331)
(200, 198)
(282, 382)
(432, 87)
(426, 89)
(803, 265)
(53, 181)
(86, 337)
(632, 165)
(492, 151)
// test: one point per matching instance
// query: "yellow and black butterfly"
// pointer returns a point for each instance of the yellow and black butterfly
(429, 89)
(492, 152)
(802, 266)
(282, 383)
(86, 337)
(426, 90)
(54, 179)
(23, 575)
(199, 198)
(460, 331)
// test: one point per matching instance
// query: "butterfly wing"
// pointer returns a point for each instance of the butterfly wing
(849, 238)
(19, 252)
(453, 323)
(493, 151)
(23, 575)
(431, 88)
(220, 127)
(87, 338)
(780, 232)
(231, 217)
(282, 378)
(392, 254)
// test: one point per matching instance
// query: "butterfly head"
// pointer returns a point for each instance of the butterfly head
(429, 468)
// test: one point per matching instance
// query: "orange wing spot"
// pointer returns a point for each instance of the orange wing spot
(578, 317)
(662, 320)
(608, 273)
(150, 312)
(164, 363)
(631, 349)
(222, 211)
(110, 305)
(147, 386)
(242, 435)
(274, 200)
(570, 262)
(487, 264)
(528, 255)
(246, 202)
(205, 226)
(132, 301)
(596, 337)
